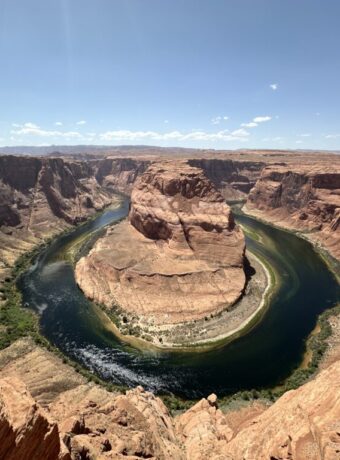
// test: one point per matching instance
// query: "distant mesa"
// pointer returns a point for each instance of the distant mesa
(178, 257)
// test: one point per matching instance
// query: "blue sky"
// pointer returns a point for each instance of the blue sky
(194, 73)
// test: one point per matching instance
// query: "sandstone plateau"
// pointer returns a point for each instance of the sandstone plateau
(48, 411)
(178, 258)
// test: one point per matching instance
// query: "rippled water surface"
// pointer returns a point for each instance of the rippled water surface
(263, 357)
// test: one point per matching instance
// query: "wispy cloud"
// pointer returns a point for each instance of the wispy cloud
(255, 122)
(305, 135)
(58, 123)
(35, 130)
(273, 139)
(251, 124)
(127, 135)
(81, 122)
(332, 136)
(261, 119)
(217, 120)
(274, 86)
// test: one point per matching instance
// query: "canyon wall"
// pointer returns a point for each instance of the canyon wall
(234, 179)
(40, 197)
(304, 198)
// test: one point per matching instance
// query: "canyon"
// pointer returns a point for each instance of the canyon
(47, 410)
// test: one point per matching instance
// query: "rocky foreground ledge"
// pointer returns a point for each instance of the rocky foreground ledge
(48, 411)
(178, 258)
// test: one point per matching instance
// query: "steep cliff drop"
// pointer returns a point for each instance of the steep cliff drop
(48, 411)
(303, 198)
(178, 258)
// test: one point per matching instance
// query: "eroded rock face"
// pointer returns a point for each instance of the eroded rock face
(26, 431)
(40, 197)
(175, 202)
(180, 256)
(302, 424)
(234, 179)
(86, 421)
(305, 198)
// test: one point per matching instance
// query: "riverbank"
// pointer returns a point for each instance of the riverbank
(173, 401)
(332, 263)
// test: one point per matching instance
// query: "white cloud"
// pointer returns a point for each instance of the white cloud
(35, 130)
(332, 136)
(255, 122)
(240, 132)
(274, 86)
(127, 135)
(166, 121)
(273, 139)
(81, 122)
(15, 125)
(261, 119)
(58, 123)
(305, 135)
(217, 120)
(251, 124)
(299, 142)
(31, 126)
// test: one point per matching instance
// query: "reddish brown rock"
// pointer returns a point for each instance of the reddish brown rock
(303, 424)
(179, 259)
(26, 432)
(304, 198)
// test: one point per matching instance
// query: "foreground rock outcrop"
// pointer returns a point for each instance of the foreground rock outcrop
(303, 198)
(26, 431)
(179, 257)
(84, 421)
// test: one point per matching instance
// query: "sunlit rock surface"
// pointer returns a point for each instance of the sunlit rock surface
(178, 258)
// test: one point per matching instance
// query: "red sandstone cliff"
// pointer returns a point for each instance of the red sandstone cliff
(303, 198)
(84, 421)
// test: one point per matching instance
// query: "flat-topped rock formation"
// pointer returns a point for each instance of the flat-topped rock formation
(304, 198)
(178, 258)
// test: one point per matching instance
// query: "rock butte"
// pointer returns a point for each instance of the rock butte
(178, 258)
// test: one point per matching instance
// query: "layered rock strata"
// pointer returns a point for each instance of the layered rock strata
(303, 198)
(41, 197)
(178, 258)
(84, 421)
